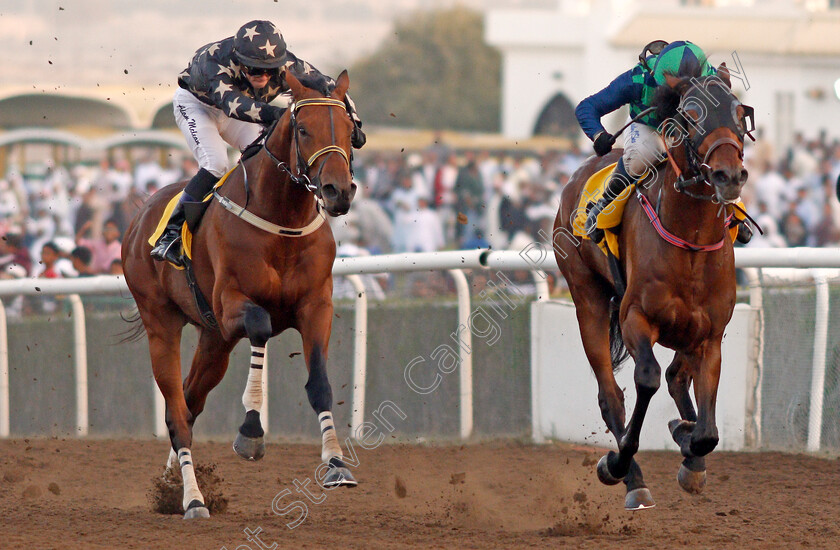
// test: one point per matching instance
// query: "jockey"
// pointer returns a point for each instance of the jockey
(224, 96)
(643, 146)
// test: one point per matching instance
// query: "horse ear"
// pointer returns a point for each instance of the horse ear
(723, 74)
(672, 81)
(342, 83)
(294, 84)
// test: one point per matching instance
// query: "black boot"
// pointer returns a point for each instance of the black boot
(619, 180)
(745, 232)
(167, 248)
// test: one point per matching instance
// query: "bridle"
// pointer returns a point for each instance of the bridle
(714, 119)
(301, 174)
(715, 89)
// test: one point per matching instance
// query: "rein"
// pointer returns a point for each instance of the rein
(300, 178)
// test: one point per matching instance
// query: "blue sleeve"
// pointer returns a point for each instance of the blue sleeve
(618, 93)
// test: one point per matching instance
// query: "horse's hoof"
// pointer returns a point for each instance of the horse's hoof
(249, 448)
(679, 429)
(638, 499)
(196, 509)
(691, 482)
(339, 477)
(604, 475)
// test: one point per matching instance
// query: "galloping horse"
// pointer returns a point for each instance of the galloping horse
(677, 265)
(264, 257)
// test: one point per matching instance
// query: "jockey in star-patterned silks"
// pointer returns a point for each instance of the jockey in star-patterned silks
(224, 97)
(643, 146)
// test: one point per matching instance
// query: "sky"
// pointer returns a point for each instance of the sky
(81, 43)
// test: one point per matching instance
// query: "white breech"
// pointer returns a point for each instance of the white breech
(209, 130)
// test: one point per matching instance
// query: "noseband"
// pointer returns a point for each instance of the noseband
(301, 175)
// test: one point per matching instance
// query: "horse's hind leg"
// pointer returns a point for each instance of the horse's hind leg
(593, 312)
(164, 332)
(692, 473)
(315, 322)
(700, 439)
(208, 367)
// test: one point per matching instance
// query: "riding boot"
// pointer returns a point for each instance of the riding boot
(200, 184)
(166, 249)
(619, 181)
(745, 232)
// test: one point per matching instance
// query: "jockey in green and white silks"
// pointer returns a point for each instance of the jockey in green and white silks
(643, 146)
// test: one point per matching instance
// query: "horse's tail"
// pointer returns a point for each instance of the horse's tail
(618, 352)
(136, 329)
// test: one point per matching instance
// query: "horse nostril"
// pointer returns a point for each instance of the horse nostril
(353, 187)
(329, 192)
(743, 176)
(720, 177)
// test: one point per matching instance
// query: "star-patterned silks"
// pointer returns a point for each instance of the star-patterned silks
(221, 88)
(233, 106)
(235, 69)
(251, 32)
(269, 48)
(254, 112)
(215, 74)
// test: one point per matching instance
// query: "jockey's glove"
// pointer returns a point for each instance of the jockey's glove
(357, 138)
(603, 143)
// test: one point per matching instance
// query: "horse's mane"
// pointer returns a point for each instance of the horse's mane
(666, 99)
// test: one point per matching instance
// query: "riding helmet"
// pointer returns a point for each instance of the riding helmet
(681, 58)
(259, 44)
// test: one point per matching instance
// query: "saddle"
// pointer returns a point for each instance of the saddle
(609, 220)
(193, 212)
(610, 217)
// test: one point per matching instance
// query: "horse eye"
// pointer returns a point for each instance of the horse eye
(301, 131)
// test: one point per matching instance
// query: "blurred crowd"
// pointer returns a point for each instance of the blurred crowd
(67, 221)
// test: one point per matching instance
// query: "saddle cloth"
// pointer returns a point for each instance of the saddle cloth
(186, 234)
(610, 216)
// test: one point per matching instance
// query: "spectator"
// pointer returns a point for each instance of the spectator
(82, 259)
(106, 249)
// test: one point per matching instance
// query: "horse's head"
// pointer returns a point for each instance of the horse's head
(321, 128)
(711, 124)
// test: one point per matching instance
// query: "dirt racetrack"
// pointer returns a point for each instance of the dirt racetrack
(95, 494)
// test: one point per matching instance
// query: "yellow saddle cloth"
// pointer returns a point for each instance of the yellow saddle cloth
(186, 234)
(611, 215)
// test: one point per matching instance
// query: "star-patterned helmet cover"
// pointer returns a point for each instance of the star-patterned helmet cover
(259, 44)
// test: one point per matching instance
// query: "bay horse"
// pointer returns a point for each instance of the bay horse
(678, 280)
(263, 256)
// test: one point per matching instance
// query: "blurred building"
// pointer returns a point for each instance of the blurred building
(787, 52)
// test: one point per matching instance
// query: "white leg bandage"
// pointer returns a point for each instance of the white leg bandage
(191, 491)
(329, 440)
(253, 396)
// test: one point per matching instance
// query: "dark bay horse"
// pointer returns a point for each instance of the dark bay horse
(263, 270)
(679, 292)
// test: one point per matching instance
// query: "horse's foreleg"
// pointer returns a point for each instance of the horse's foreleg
(704, 436)
(692, 473)
(594, 321)
(639, 336)
(250, 443)
(315, 325)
